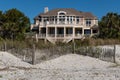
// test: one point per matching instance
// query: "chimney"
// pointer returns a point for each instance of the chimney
(46, 9)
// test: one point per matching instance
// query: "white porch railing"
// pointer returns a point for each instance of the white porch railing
(68, 35)
(51, 35)
(41, 35)
(59, 35)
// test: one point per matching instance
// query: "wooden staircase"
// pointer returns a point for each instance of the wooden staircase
(52, 40)
(67, 40)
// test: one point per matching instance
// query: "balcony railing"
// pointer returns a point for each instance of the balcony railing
(50, 35)
(59, 35)
(69, 35)
(60, 23)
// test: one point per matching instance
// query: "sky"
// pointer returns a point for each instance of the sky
(32, 8)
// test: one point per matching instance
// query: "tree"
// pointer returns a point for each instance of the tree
(2, 19)
(15, 24)
(110, 26)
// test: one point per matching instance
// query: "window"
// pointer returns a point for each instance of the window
(88, 22)
(77, 20)
(95, 31)
(62, 19)
(70, 20)
(61, 13)
(67, 19)
(69, 31)
(87, 31)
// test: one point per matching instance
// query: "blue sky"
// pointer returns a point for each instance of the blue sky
(31, 8)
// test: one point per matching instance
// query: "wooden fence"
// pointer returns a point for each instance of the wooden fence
(31, 55)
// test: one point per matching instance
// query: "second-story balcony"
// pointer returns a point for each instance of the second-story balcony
(60, 23)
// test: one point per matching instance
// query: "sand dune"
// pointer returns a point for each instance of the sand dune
(7, 60)
(74, 61)
(66, 67)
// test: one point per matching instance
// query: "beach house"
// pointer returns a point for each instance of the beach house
(64, 24)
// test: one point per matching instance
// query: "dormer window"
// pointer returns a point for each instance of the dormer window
(61, 16)
(61, 13)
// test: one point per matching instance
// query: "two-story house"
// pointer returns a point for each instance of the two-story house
(64, 24)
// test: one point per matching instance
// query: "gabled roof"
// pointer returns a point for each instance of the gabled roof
(69, 11)
(37, 17)
(88, 15)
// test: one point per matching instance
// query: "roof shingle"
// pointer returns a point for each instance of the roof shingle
(69, 11)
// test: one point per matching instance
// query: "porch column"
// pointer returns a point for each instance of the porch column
(54, 19)
(55, 32)
(69, 19)
(39, 30)
(65, 19)
(73, 31)
(46, 31)
(82, 31)
(64, 31)
(48, 19)
(46, 35)
(42, 22)
(75, 20)
(91, 32)
(83, 22)
(58, 19)
(72, 19)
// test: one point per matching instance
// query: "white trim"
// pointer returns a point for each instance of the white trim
(61, 12)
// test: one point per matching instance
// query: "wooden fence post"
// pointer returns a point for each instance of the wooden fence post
(33, 55)
(74, 46)
(114, 54)
(5, 46)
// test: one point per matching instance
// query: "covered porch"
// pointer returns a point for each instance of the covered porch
(63, 32)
